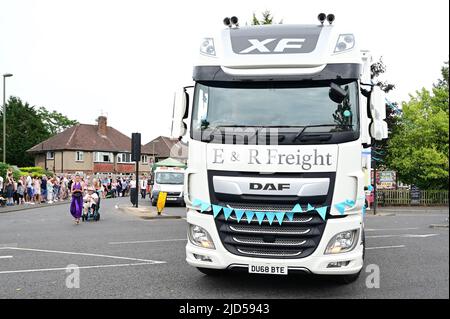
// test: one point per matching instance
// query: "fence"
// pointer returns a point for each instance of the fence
(402, 197)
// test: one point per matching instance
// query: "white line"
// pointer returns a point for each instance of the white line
(384, 229)
(386, 247)
(404, 236)
(87, 254)
(5, 257)
(146, 241)
(82, 267)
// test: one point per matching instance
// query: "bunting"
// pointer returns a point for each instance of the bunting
(271, 217)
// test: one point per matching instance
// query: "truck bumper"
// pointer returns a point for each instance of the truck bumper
(169, 199)
(317, 263)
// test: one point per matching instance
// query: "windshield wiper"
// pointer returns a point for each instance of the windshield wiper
(317, 136)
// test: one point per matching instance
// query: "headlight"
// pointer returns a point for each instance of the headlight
(207, 47)
(200, 237)
(343, 242)
(345, 42)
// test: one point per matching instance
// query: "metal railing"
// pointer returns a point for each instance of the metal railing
(403, 197)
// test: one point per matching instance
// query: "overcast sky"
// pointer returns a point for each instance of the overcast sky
(126, 58)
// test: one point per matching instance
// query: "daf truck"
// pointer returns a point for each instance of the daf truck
(276, 126)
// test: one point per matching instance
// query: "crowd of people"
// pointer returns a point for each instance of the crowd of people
(31, 190)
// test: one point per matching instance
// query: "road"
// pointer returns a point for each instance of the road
(123, 256)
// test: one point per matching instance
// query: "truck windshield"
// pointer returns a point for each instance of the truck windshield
(275, 104)
(169, 178)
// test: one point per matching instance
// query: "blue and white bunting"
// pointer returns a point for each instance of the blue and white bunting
(216, 210)
(280, 217)
(260, 216)
(310, 207)
(290, 215)
(322, 212)
(270, 217)
(297, 209)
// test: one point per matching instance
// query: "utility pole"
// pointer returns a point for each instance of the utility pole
(6, 75)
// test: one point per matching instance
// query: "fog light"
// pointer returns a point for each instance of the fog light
(343, 242)
(207, 47)
(200, 237)
(202, 258)
(338, 264)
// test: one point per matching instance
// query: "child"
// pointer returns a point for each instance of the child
(20, 192)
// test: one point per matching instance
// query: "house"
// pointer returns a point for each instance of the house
(90, 149)
(164, 147)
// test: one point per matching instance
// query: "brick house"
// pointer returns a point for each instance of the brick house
(90, 149)
(164, 147)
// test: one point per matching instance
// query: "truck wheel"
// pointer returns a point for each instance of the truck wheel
(153, 202)
(210, 271)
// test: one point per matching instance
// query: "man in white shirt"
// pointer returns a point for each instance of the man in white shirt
(29, 183)
(1, 184)
(143, 186)
(90, 200)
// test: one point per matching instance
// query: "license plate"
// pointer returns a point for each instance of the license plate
(171, 198)
(267, 269)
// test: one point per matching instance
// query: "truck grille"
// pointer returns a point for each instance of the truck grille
(293, 239)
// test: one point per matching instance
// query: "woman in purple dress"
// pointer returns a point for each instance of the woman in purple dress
(76, 206)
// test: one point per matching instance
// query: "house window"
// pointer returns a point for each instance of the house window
(103, 157)
(144, 159)
(50, 155)
(79, 156)
(124, 158)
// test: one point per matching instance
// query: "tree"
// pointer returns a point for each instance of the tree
(27, 126)
(55, 122)
(419, 148)
(267, 18)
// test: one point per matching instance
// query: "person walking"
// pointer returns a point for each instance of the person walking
(76, 206)
(143, 182)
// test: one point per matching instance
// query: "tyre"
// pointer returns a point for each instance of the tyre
(153, 202)
(211, 272)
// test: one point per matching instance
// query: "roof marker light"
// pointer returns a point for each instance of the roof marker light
(322, 17)
(234, 20)
(330, 18)
(227, 22)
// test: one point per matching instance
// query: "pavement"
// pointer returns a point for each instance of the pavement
(125, 256)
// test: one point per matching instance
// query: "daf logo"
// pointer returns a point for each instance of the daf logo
(295, 43)
(269, 186)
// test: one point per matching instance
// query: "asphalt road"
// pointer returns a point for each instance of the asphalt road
(123, 256)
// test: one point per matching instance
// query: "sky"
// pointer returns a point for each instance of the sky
(126, 58)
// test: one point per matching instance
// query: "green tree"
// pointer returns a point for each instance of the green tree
(55, 122)
(27, 126)
(418, 150)
(267, 18)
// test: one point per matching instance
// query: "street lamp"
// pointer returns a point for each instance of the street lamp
(6, 75)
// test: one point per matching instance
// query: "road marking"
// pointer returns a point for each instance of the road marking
(81, 267)
(8, 245)
(88, 254)
(384, 229)
(404, 236)
(5, 257)
(146, 241)
(386, 247)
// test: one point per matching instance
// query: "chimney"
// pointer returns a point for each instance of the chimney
(102, 125)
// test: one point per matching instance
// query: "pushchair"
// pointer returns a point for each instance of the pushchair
(92, 214)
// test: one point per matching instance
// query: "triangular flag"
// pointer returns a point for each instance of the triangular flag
(297, 209)
(196, 202)
(270, 217)
(310, 208)
(227, 212)
(290, 215)
(350, 202)
(340, 207)
(249, 215)
(204, 206)
(280, 217)
(322, 211)
(260, 216)
(216, 210)
(239, 213)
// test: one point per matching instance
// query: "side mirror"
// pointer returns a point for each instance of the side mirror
(378, 127)
(180, 111)
(336, 93)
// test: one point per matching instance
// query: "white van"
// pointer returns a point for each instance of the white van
(171, 181)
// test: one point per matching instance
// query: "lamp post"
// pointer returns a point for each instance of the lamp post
(6, 75)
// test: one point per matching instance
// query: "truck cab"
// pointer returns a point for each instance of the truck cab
(277, 123)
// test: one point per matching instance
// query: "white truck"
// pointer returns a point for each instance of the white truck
(279, 117)
(171, 181)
